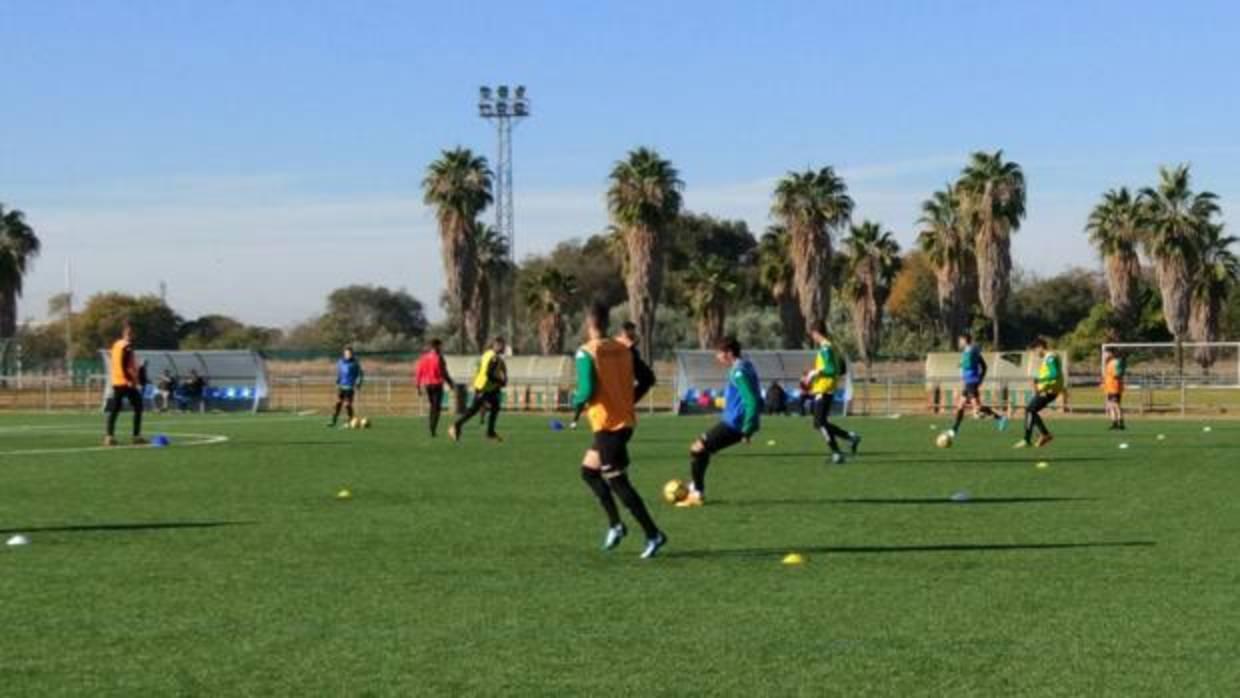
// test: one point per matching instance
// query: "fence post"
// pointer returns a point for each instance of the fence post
(47, 393)
(389, 395)
(889, 396)
(1183, 397)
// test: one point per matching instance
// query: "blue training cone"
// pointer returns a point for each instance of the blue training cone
(160, 441)
(557, 425)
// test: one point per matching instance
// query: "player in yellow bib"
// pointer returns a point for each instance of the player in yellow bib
(824, 380)
(1048, 384)
(488, 384)
(607, 389)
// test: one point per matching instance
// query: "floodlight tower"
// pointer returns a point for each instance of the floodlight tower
(505, 110)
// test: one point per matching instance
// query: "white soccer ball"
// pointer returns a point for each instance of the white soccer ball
(945, 440)
(17, 540)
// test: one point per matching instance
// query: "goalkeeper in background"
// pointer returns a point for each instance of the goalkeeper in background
(1113, 370)
(349, 379)
(742, 407)
(1048, 384)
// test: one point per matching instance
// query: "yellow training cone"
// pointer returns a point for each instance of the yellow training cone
(344, 494)
(794, 559)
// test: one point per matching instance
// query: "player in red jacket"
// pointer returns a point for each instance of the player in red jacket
(430, 375)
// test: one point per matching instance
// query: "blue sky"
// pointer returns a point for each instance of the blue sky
(257, 155)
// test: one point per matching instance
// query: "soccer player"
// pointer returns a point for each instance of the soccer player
(1047, 385)
(125, 387)
(489, 382)
(606, 386)
(972, 373)
(349, 379)
(829, 369)
(431, 373)
(1113, 370)
(643, 375)
(742, 407)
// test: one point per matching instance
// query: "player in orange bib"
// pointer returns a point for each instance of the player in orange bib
(1113, 370)
(125, 387)
(607, 388)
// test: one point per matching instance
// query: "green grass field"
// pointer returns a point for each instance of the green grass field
(231, 568)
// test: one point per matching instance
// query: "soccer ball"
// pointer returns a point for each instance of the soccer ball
(674, 491)
(945, 440)
(355, 423)
(365, 422)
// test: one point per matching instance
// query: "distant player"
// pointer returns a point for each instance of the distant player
(972, 372)
(606, 388)
(742, 409)
(125, 387)
(431, 374)
(489, 384)
(825, 378)
(349, 379)
(1047, 386)
(643, 375)
(1113, 370)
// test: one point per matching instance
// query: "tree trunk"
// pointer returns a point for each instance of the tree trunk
(811, 270)
(644, 281)
(1123, 270)
(952, 308)
(551, 333)
(1173, 285)
(1203, 327)
(460, 265)
(478, 317)
(994, 267)
(791, 324)
(8, 313)
(710, 326)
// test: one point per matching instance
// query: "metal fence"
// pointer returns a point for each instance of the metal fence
(903, 394)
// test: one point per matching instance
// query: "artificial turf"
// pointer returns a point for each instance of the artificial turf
(474, 569)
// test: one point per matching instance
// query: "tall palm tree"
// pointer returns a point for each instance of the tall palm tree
(992, 194)
(775, 274)
(811, 204)
(711, 285)
(548, 296)
(949, 248)
(644, 199)
(18, 247)
(458, 185)
(1217, 274)
(1114, 228)
(492, 272)
(1176, 220)
(872, 260)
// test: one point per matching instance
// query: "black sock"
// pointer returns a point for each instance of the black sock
(594, 480)
(959, 419)
(336, 412)
(633, 502)
(1029, 417)
(1041, 426)
(830, 437)
(698, 463)
(349, 411)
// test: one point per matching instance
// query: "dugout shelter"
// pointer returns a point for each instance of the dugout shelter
(236, 380)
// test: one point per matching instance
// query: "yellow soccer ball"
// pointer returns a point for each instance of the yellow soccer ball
(945, 440)
(365, 422)
(674, 491)
(355, 423)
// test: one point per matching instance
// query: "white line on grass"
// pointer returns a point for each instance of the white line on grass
(202, 440)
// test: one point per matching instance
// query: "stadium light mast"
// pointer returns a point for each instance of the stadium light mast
(505, 109)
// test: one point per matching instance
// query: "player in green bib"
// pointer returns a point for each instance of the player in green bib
(1048, 384)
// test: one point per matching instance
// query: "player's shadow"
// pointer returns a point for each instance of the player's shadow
(897, 549)
(902, 501)
(121, 527)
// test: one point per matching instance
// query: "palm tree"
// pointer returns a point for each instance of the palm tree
(1114, 228)
(871, 262)
(458, 185)
(492, 271)
(644, 199)
(992, 197)
(547, 296)
(18, 247)
(1176, 221)
(710, 285)
(947, 245)
(810, 205)
(775, 274)
(1218, 272)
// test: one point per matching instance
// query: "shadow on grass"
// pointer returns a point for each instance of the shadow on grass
(900, 501)
(153, 526)
(889, 549)
(875, 457)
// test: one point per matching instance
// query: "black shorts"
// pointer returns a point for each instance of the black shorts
(344, 394)
(972, 391)
(719, 437)
(1040, 401)
(822, 409)
(1115, 397)
(613, 449)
